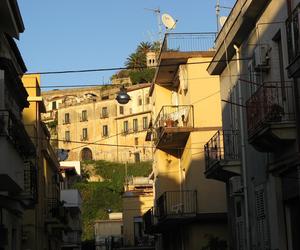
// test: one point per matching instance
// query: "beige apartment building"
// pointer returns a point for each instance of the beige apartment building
(189, 210)
(137, 199)
(257, 59)
(44, 220)
(92, 125)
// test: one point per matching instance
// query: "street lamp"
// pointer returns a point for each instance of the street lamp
(123, 97)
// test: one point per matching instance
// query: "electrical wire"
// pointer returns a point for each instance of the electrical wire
(126, 68)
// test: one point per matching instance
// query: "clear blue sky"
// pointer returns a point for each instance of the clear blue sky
(77, 34)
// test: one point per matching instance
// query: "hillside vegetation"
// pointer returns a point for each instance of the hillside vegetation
(101, 197)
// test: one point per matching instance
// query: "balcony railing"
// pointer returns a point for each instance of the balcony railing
(14, 129)
(293, 34)
(188, 42)
(148, 219)
(223, 146)
(176, 204)
(271, 103)
(175, 116)
(30, 182)
(55, 210)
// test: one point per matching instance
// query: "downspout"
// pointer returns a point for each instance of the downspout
(243, 148)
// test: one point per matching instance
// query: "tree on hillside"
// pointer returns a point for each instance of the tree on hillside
(136, 64)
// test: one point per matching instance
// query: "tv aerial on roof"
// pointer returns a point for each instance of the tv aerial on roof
(168, 21)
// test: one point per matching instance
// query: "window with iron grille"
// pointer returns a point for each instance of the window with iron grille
(135, 125)
(104, 130)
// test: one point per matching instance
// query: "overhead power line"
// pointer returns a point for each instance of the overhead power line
(124, 68)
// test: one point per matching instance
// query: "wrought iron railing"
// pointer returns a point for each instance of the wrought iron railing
(14, 129)
(188, 42)
(176, 203)
(148, 219)
(293, 34)
(271, 103)
(30, 181)
(223, 146)
(56, 210)
(174, 116)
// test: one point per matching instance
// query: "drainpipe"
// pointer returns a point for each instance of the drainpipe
(243, 147)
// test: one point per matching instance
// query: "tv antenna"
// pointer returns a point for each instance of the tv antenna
(157, 12)
(220, 19)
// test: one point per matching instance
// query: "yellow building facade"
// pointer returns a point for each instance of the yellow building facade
(92, 125)
(137, 199)
(189, 210)
(44, 221)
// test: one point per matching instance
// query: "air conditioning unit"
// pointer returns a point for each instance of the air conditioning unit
(235, 186)
(262, 58)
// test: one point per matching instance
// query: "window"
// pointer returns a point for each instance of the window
(147, 99)
(54, 105)
(125, 127)
(84, 135)
(145, 122)
(135, 125)
(67, 118)
(104, 113)
(137, 157)
(67, 136)
(140, 101)
(84, 115)
(121, 110)
(104, 131)
(136, 141)
(105, 97)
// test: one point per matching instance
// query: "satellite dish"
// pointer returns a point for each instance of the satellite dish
(222, 20)
(62, 154)
(168, 21)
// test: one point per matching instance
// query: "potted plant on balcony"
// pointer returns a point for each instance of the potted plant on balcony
(169, 122)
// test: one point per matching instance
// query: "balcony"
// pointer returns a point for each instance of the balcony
(13, 129)
(29, 194)
(271, 116)
(56, 213)
(222, 155)
(293, 40)
(71, 198)
(148, 219)
(172, 128)
(177, 48)
(176, 206)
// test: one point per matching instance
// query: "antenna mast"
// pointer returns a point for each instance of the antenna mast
(218, 15)
(158, 16)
